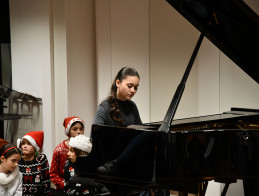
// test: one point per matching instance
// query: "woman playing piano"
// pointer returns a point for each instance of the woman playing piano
(119, 110)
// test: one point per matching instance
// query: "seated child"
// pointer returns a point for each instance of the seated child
(34, 165)
(79, 146)
(10, 177)
(73, 126)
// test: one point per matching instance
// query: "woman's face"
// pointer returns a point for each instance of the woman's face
(27, 148)
(10, 163)
(71, 154)
(76, 129)
(127, 88)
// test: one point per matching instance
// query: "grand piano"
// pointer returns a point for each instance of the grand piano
(185, 154)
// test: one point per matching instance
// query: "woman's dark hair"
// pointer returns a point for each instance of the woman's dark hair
(122, 74)
(9, 150)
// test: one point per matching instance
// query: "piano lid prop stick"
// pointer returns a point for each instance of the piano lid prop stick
(165, 126)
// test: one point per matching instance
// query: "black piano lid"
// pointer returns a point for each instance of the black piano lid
(231, 25)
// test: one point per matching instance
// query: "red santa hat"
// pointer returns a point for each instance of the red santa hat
(69, 121)
(35, 138)
(2, 142)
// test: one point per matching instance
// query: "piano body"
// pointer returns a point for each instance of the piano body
(186, 153)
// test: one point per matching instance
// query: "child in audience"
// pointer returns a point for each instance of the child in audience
(78, 146)
(10, 177)
(73, 126)
(34, 165)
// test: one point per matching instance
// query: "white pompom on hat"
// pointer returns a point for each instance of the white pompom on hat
(36, 139)
(69, 121)
(81, 142)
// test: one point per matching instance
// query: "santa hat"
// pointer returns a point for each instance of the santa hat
(3, 142)
(69, 121)
(81, 142)
(35, 138)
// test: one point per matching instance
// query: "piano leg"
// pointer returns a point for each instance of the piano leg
(227, 182)
(225, 189)
(204, 188)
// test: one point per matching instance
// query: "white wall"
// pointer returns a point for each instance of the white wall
(74, 63)
(31, 61)
(53, 57)
(60, 73)
(81, 60)
(103, 48)
(172, 41)
(237, 89)
(123, 40)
